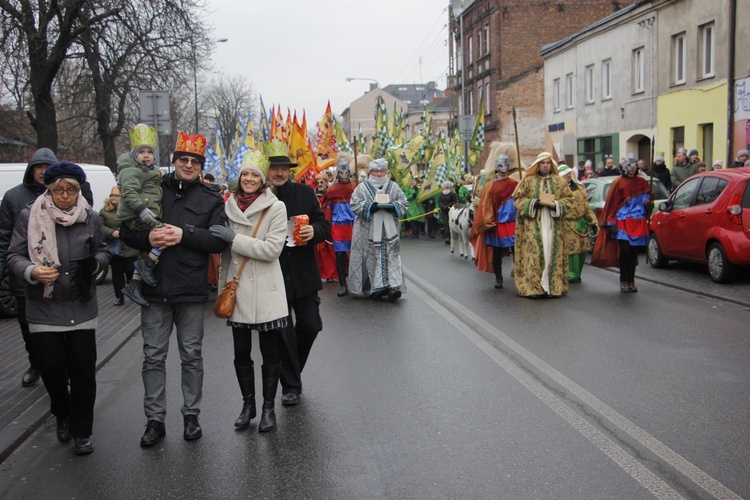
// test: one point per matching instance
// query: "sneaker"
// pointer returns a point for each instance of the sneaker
(154, 433)
(146, 267)
(133, 291)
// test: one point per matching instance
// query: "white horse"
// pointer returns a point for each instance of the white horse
(460, 219)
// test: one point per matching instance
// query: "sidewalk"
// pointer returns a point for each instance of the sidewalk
(24, 409)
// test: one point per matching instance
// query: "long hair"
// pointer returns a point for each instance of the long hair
(108, 206)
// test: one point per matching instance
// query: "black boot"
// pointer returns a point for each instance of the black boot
(146, 267)
(270, 384)
(246, 378)
(134, 291)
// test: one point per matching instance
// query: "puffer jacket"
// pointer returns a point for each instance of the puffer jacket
(14, 201)
(140, 188)
(182, 272)
(69, 305)
(261, 297)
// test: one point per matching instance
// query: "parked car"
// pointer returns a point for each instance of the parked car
(11, 174)
(706, 220)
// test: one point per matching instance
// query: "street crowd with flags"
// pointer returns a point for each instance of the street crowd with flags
(435, 157)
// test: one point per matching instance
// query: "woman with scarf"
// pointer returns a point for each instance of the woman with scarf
(56, 248)
(624, 224)
(375, 263)
(256, 236)
(577, 222)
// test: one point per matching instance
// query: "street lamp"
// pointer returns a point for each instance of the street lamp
(351, 78)
(195, 80)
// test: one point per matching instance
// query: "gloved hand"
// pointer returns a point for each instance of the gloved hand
(374, 208)
(612, 230)
(538, 204)
(388, 207)
(148, 216)
(222, 232)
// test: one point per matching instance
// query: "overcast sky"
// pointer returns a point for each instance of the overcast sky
(298, 53)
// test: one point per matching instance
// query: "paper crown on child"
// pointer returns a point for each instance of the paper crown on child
(278, 153)
(190, 145)
(143, 135)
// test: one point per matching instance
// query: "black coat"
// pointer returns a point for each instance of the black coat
(182, 272)
(298, 264)
(661, 172)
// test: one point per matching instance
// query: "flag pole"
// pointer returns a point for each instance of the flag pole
(651, 191)
(518, 147)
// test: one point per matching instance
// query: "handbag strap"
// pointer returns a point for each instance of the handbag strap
(255, 231)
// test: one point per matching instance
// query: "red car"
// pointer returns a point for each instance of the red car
(707, 220)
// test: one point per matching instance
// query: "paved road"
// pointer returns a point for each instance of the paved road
(456, 391)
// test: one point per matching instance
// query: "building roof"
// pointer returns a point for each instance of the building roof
(549, 47)
(414, 94)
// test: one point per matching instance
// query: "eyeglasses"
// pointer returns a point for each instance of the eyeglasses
(68, 191)
(184, 160)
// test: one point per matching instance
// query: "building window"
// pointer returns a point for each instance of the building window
(590, 84)
(569, 91)
(487, 99)
(679, 57)
(607, 79)
(479, 44)
(556, 94)
(639, 71)
(706, 52)
(471, 52)
(486, 39)
(471, 102)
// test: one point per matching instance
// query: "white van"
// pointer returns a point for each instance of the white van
(99, 176)
(11, 175)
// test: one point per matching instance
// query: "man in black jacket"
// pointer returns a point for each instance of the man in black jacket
(14, 201)
(189, 208)
(301, 273)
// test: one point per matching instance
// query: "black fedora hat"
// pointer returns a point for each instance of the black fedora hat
(278, 154)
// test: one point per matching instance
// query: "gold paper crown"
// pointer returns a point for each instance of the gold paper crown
(143, 135)
(187, 143)
(276, 148)
(256, 159)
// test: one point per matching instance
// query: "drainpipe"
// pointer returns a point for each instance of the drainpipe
(730, 81)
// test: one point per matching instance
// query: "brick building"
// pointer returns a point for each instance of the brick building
(498, 53)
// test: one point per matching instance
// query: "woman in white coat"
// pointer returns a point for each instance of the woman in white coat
(261, 297)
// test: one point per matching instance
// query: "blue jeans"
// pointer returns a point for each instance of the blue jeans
(156, 327)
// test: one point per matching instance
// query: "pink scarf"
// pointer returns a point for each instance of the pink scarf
(42, 237)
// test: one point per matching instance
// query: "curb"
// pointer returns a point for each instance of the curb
(35, 416)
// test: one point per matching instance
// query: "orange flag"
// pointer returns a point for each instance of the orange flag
(300, 151)
(325, 150)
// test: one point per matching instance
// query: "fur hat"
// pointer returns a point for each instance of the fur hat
(64, 170)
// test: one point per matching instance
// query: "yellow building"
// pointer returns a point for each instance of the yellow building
(692, 118)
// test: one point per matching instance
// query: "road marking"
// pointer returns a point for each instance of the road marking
(615, 452)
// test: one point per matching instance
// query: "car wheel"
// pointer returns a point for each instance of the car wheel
(8, 304)
(655, 257)
(102, 275)
(719, 268)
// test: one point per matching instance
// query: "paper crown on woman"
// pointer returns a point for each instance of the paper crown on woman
(190, 145)
(257, 161)
(278, 153)
(143, 135)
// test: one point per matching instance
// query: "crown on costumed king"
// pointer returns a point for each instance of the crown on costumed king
(143, 135)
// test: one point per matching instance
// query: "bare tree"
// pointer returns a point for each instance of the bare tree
(48, 28)
(226, 97)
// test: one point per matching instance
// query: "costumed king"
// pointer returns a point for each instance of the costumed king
(375, 265)
(337, 198)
